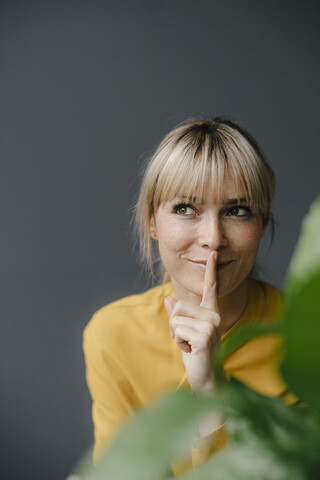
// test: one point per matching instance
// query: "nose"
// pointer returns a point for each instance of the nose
(211, 233)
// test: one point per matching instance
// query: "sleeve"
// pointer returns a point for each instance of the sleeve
(109, 388)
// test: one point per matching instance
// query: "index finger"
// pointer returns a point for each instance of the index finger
(209, 295)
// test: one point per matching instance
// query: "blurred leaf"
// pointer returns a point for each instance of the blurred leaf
(301, 327)
(83, 465)
(306, 257)
(147, 445)
(268, 440)
(301, 363)
(238, 338)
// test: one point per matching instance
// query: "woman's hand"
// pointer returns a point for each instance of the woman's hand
(196, 329)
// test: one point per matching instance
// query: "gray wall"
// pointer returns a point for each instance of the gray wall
(87, 89)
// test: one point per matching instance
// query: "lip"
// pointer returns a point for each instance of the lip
(222, 265)
(203, 263)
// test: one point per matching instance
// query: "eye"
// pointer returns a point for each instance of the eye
(183, 209)
(239, 212)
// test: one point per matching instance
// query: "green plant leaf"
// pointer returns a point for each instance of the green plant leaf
(238, 338)
(301, 320)
(84, 464)
(301, 362)
(152, 440)
(306, 258)
(268, 440)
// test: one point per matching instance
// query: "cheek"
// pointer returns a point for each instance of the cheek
(172, 236)
(248, 239)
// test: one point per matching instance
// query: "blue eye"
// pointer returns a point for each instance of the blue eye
(183, 209)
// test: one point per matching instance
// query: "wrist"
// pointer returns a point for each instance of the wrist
(206, 388)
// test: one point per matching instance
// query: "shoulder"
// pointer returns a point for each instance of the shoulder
(265, 298)
(267, 290)
(125, 307)
(141, 299)
(131, 313)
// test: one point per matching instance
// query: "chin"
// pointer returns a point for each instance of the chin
(197, 291)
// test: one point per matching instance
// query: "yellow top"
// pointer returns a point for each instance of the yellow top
(131, 358)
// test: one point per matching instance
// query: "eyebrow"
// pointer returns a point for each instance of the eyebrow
(228, 202)
(234, 201)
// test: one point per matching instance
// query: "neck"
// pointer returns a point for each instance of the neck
(231, 305)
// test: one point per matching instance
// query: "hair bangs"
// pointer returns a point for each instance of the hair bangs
(243, 167)
(185, 173)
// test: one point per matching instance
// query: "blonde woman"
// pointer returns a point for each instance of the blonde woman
(203, 208)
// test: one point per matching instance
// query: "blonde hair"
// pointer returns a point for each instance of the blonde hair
(191, 155)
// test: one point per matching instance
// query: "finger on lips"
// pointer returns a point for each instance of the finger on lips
(209, 295)
(188, 321)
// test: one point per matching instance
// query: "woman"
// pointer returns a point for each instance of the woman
(204, 206)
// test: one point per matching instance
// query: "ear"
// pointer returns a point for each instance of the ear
(153, 228)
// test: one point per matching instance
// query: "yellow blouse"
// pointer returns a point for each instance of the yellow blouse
(131, 358)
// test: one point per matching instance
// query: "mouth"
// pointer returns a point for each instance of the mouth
(222, 265)
(203, 264)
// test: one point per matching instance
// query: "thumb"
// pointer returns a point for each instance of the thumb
(169, 303)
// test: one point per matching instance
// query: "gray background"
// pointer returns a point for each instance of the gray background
(88, 88)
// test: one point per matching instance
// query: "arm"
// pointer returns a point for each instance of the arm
(109, 389)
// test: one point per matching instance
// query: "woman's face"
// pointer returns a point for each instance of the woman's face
(187, 231)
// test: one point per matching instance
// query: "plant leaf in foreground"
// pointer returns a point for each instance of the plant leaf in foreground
(268, 440)
(301, 363)
(301, 326)
(152, 440)
(306, 258)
